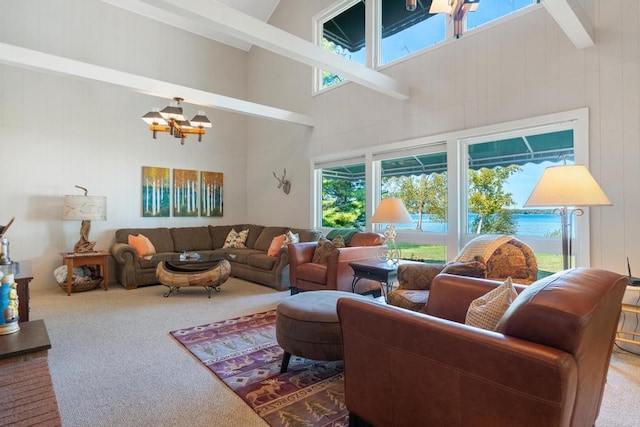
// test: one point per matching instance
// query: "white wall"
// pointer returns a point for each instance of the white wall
(56, 131)
(522, 68)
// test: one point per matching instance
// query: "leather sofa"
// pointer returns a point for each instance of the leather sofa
(336, 274)
(250, 263)
(544, 365)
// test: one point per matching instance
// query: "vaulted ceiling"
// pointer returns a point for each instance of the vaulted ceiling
(241, 24)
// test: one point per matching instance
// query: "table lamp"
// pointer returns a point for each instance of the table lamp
(565, 186)
(84, 208)
(390, 211)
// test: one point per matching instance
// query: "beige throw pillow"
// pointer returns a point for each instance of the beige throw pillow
(325, 248)
(235, 239)
(485, 312)
(290, 237)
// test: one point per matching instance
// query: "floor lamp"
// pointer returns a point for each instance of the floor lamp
(390, 211)
(567, 186)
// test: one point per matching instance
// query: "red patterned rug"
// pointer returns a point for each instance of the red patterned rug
(243, 352)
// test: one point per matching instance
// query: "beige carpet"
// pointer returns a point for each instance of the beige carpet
(113, 362)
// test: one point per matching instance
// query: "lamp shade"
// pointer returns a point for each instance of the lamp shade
(567, 185)
(391, 211)
(91, 208)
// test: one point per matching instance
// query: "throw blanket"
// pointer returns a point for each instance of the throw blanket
(483, 246)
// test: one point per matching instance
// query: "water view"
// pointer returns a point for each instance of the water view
(538, 225)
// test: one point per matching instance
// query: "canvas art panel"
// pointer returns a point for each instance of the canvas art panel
(156, 191)
(185, 192)
(211, 188)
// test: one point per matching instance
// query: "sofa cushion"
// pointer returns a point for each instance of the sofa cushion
(310, 272)
(325, 248)
(263, 242)
(485, 312)
(159, 237)
(219, 234)
(262, 261)
(254, 233)
(410, 299)
(236, 239)
(238, 255)
(191, 238)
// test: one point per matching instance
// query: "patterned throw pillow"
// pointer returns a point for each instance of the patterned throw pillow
(277, 243)
(485, 312)
(290, 238)
(324, 249)
(141, 244)
(235, 239)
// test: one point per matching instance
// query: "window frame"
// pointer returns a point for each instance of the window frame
(373, 35)
(455, 143)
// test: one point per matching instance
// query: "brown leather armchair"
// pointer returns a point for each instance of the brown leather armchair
(545, 365)
(336, 274)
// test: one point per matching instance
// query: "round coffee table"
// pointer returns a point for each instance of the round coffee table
(208, 274)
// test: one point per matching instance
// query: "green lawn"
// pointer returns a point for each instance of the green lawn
(547, 263)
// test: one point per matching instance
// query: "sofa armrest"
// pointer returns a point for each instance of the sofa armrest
(451, 295)
(122, 251)
(407, 368)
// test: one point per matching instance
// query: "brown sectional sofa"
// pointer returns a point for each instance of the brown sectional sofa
(250, 263)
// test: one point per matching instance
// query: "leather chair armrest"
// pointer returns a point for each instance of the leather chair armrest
(407, 368)
(299, 253)
(339, 273)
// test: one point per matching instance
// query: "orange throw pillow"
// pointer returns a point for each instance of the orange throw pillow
(142, 244)
(276, 245)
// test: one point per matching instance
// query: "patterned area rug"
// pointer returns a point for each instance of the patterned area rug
(243, 352)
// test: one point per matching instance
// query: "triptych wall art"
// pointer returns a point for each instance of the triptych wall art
(189, 194)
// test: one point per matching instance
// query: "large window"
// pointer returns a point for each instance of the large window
(404, 32)
(343, 33)
(473, 181)
(490, 10)
(343, 196)
(378, 32)
(420, 181)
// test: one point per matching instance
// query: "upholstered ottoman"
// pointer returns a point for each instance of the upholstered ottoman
(307, 325)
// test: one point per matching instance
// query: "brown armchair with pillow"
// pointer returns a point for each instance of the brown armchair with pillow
(489, 256)
(543, 364)
(324, 265)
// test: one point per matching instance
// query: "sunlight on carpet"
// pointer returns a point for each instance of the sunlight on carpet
(244, 354)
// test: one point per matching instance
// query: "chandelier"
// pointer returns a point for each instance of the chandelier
(172, 120)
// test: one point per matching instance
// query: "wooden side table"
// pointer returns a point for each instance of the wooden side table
(633, 310)
(23, 277)
(73, 260)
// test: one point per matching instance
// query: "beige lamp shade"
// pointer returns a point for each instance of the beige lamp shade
(567, 185)
(90, 208)
(391, 211)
